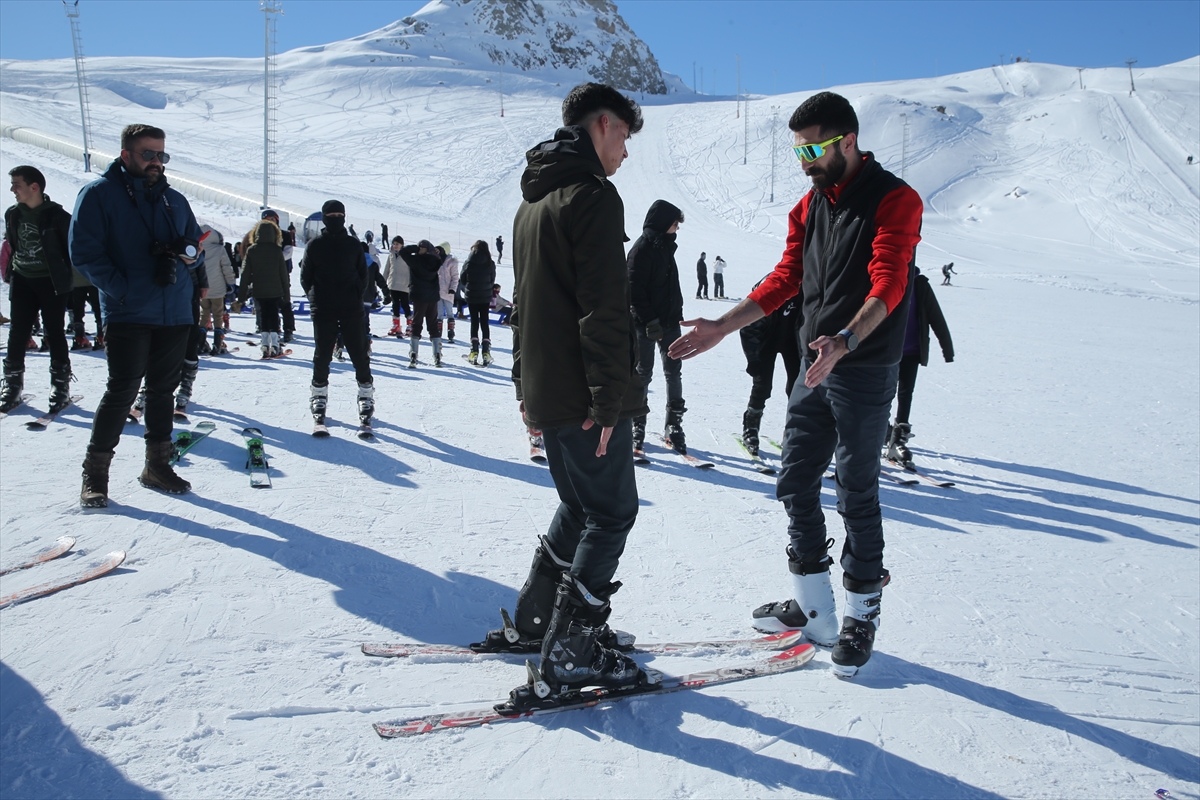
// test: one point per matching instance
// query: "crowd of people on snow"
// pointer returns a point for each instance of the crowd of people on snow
(846, 307)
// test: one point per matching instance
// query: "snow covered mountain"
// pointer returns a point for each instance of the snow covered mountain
(558, 40)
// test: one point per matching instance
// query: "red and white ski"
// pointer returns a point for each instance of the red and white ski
(61, 545)
(90, 572)
(776, 641)
(788, 660)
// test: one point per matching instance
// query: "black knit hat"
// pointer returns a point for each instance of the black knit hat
(333, 207)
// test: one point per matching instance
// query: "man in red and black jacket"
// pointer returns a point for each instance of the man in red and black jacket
(849, 251)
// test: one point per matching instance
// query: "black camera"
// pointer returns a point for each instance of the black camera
(166, 256)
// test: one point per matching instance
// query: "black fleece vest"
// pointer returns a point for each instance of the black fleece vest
(837, 250)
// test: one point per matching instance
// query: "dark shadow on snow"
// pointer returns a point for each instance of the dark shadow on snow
(41, 757)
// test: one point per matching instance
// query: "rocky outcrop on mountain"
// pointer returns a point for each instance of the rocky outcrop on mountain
(553, 39)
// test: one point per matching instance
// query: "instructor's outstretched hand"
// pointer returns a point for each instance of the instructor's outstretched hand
(704, 335)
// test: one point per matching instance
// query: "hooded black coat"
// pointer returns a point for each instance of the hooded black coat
(653, 273)
(478, 277)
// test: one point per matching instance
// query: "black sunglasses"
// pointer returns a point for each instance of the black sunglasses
(150, 155)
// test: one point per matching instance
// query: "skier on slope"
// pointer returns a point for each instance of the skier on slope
(478, 277)
(771, 336)
(574, 375)
(947, 271)
(333, 273)
(924, 313)
(849, 252)
(657, 305)
(264, 276)
(447, 289)
(424, 264)
(395, 275)
(701, 278)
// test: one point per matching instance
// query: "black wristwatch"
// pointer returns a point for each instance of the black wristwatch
(851, 339)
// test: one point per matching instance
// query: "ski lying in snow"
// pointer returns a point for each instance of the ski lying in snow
(365, 433)
(186, 440)
(756, 460)
(688, 458)
(22, 400)
(180, 417)
(776, 641)
(640, 457)
(786, 661)
(91, 572)
(319, 430)
(256, 460)
(61, 545)
(927, 478)
(896, 478)
(537, 447)
(41, 422)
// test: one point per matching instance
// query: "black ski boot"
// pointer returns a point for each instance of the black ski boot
(751, 420)
(187, 379)
(366, 403)
(318, 401)
(485, 354)
(857, 638)
(673, 431)
(535, 606)
(60, 379)
(573, 654)
(898, 451)
(639, 433)
(10, 396)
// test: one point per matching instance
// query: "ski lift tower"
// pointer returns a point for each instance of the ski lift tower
(85, 113)
(270, 8)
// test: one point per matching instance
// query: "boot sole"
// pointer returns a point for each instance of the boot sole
(163, 489)
(100, 503)
(844, 670)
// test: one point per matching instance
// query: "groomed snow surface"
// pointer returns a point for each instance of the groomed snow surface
(1040, 636)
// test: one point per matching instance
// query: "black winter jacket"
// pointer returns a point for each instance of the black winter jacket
(54, 223)
(929, 314)
(333, 273)
(653, 274)
(478, 276)
(575, 358)
(423, 274)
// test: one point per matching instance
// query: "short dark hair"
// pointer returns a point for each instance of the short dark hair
(397, 239)
(588, 98)
(138, 131)
(832, 112)
(30, 175)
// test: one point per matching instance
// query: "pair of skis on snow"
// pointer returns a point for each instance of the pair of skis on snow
(256, 461)
(900, 478)
(788, 652)
(641, 459)
(61, 547)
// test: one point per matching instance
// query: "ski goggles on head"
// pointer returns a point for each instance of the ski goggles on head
(811, 152)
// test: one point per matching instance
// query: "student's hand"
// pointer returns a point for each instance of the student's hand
(605, 435)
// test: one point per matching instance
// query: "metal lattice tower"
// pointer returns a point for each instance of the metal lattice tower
(270, 9)
(85, 114)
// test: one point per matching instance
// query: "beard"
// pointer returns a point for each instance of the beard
(827, 177)
(152, 173)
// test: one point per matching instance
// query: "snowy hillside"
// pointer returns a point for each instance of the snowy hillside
(1041, 635)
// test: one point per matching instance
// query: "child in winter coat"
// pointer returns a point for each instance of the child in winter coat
(395, 274)
(478, 278)
(447, 288)
(265, 278)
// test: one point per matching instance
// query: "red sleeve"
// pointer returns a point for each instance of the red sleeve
(784, 282)
(897, 231)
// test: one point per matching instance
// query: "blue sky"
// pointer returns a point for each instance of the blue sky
(784, 46)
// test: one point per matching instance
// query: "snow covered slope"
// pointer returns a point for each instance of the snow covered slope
(1040, 636)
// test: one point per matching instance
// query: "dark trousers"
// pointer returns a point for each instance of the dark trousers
(909, 364)
(426, 313)
(191, 351)
(599, 499)
(718, 284)
(80, 297)
(268, 313)
(288, 313)
(134, 352)
(400, 303)
(764, 381)
(844, 418)
(325, 330)
(480, 322)
(672, 367)
(28, 296)
(702, 287)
